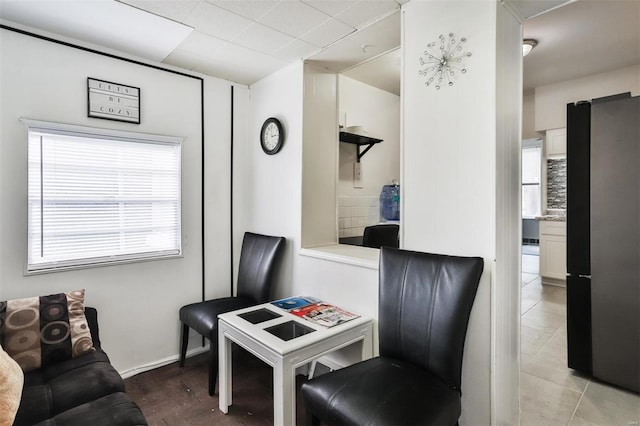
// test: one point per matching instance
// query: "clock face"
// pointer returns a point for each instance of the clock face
(271, 136)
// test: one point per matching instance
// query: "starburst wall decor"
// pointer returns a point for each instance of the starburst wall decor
(442, 64)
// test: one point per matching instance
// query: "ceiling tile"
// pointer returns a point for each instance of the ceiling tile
(297, 49)
(217, 22)
(251, 9)
(263, 39)
(183, 59)
(293, 17)
(382, 72)
(327, 33)
(528, 9)
(176, 10)
(241, 65)
(380, 37)
(331, 7)
(204, 45)
(366, 11)
(106, 23)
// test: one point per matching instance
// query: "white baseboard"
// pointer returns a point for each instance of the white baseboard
(160, 363)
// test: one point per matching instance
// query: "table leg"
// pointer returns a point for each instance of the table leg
(284, 397)
(224, 371)
(367, 343)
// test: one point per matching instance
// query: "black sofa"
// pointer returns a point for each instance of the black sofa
(86, 390)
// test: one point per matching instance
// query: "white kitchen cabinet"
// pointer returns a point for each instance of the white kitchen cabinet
(553, 252)
(556, 142)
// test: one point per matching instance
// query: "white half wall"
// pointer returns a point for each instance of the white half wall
(138, 302)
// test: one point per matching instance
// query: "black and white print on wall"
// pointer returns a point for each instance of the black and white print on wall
(443, 61)
(113, 101)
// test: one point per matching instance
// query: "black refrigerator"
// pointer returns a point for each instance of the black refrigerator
(603, 239)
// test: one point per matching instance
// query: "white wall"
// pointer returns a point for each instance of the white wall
(505, 292)
(319, 157)
(138, 303)
(267, 195)
(551, 100)
(529, 117)
(453, 139)
(217, 177)
(378, 112)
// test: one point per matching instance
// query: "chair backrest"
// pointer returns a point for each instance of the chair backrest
(258, 259)
(424, 305)
(377, 236)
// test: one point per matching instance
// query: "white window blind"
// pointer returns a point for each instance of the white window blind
(98, 197)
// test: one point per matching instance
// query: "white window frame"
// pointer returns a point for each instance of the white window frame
(534, 144)
(40, 265)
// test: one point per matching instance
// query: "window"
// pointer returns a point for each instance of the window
(98, 196)
(531, 167)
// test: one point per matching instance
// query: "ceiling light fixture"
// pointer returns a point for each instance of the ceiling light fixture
(528, 45)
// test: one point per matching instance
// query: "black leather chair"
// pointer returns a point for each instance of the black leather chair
(258, 259)
(424, 308)
(377, 236)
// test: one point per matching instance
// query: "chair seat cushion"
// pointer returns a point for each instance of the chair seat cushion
(382, 391)
(203, 316)
(116, 409)
(55, 389)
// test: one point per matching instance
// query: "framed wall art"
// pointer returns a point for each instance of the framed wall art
(113, 101)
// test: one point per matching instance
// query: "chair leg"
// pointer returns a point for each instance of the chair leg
(184, 341)
(310, 419)
(213, 365)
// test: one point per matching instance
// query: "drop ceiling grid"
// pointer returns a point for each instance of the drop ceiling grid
(316, 22)
(251, 9)
(174, 10)
(327, 33)
(217, 22)
(263, 39)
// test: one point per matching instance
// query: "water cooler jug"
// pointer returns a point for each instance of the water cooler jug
(390, 202)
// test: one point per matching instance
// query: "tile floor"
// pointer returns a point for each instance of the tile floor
(550, 392)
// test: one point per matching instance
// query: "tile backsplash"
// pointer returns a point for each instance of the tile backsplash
(356, 213)
(557, 183)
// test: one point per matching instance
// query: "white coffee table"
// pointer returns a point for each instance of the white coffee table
(283, 355)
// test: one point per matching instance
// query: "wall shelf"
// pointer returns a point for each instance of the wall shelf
(359, 141)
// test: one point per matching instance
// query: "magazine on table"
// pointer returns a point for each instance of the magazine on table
(295, 302)
(324, 314)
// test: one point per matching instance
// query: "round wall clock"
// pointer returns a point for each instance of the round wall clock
(271, 136)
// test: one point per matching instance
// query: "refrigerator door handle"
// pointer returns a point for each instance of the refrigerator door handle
(579, 276)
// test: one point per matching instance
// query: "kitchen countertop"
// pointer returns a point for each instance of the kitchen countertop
(552, 217)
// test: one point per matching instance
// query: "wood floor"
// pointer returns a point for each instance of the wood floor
(171, 395)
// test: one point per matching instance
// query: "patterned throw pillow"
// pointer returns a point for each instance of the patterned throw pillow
(40, 331)
(11, 382)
